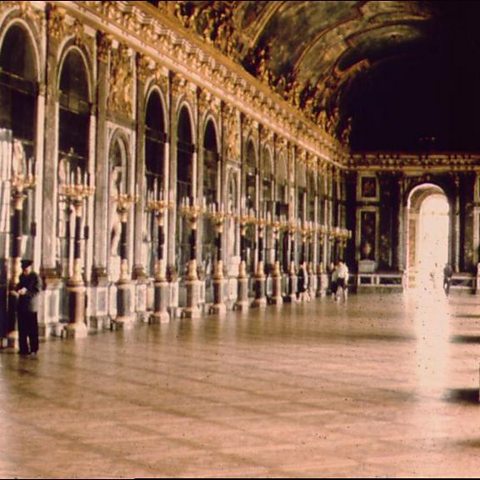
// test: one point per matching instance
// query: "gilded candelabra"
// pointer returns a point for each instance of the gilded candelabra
(159, 208)
(124, 201)
(192, 211)
(218, 218)
(75, 194)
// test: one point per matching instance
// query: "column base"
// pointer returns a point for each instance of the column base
(159, 317)
(277, 298)
(259, 302)
(242, 302)
(191, 312)
(122, 323)
(218, 309)
(76, 330)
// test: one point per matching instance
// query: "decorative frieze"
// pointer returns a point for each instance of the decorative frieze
(411, 162)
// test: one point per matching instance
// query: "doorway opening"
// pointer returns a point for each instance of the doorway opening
(428, 236)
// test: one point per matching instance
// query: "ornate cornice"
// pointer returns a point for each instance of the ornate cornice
(147, 30)
(412, 163)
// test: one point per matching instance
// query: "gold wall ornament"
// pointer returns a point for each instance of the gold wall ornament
(145, 67)
(104, 46)
(161, 78)
(232, 134)
(120, 97)
(182, 87)
(25, 10)
(57, 27)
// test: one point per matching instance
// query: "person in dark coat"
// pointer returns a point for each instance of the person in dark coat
(27, 291)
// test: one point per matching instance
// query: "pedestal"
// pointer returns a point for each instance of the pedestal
(277, 298)
(291, 296)
(160, 313)
(77, 328)
(322, 284)
(124, 317)
(242, 302)
(193, 297)
(218, 306)
(260, 300)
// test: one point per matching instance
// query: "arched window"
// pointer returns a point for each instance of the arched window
(185, 150)
(73, 139)
(267, 181)
(210, 181)
(18, 95)
(155, 138)
(251, 182)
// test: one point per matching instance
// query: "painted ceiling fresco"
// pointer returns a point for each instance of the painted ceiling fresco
(312, 52)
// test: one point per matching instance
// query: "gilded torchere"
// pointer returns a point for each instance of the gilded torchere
(75, 194)
(260, 299)
(218, 217)
(192, 211)
(322, 277)
(160, 312)
(277, 298)
(291, 295)
(124, 316)
(242, 302)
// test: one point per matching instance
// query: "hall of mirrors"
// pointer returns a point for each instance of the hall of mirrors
(150, 178)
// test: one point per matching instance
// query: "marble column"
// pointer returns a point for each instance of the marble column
(101, 227)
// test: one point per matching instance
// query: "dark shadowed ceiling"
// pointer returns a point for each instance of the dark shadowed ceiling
(380, 75)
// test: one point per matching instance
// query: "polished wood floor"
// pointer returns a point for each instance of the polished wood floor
(377, 386)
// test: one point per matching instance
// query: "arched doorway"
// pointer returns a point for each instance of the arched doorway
(428, 235)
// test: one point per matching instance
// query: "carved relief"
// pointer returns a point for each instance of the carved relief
(25, 11)
(104, 45)
(120, 98)
(232, 127)
(56, 23)
(181, 87)
(145, 67)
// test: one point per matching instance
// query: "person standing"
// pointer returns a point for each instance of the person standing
(447, 278)
(342, 280)
(27, 291)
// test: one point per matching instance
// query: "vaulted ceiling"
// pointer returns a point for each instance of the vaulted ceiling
(355, 67)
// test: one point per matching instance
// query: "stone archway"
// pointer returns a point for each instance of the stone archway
(428, 239)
